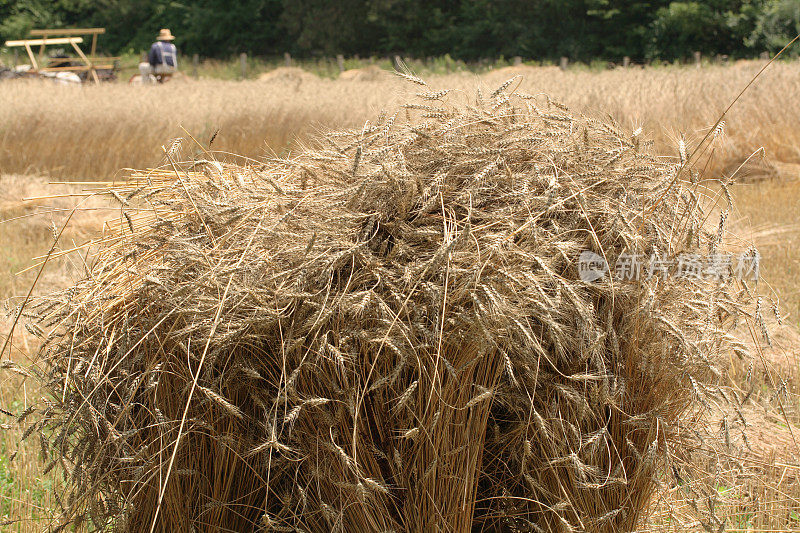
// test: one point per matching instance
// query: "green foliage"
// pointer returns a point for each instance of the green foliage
(18, 18)
(685, 25)
(584, 30)
(331, 27)
(623, 26)
(711, 27)
(539, 29)
(778, 22)
(7, 486)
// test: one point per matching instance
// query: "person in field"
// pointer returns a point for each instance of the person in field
(162, 58)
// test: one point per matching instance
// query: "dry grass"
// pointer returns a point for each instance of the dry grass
(669, 101)
(752, 472)
(767, 215)
(26, 231)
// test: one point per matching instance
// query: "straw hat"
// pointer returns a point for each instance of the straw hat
(165, 35)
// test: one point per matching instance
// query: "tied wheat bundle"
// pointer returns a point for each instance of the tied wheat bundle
(387, 333)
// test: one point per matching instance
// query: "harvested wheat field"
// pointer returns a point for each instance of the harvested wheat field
(388, 331)
(378, 321)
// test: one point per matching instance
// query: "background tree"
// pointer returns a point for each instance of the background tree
(775, 23)
(466, 29)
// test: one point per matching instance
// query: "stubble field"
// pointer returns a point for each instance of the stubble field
(81, 134)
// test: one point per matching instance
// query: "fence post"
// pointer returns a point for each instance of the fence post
(517, 61)
(243, 64)
(195, 64)
(626, 62)
(340, 62)
(698, 58)
(764, 55)
(564, 63)
(287, 59)
(16, 58)
(397, 62)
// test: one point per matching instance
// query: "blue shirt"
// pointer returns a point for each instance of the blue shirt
(163, 53)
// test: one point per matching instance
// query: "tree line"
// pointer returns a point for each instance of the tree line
(583, 30)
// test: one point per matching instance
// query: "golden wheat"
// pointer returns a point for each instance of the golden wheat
(664, 103)
(93, 131)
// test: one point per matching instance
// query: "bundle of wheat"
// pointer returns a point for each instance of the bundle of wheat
(387, 333)
(280, 74)
(370, 73)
